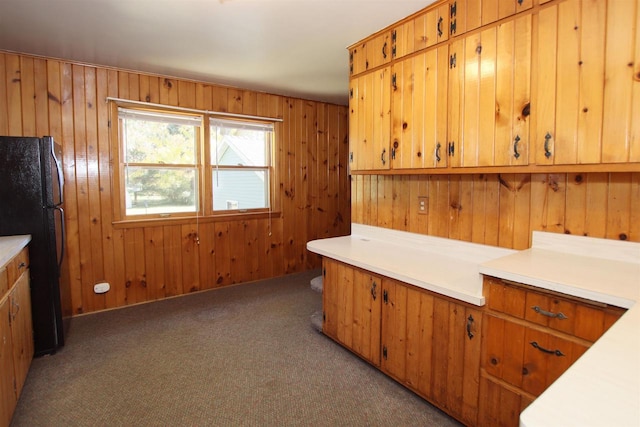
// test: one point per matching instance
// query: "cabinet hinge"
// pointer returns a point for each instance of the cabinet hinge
(393, 81)
(393, 36)
(452, 27)
(393, 154)
(351, 93)
(452, 9)
(451, 148)
(393, 51)
(351, 157)
(452, 61)
(384, 352)
(324, 272)
(385, 297)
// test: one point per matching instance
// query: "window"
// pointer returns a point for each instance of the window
(163, 171)
(240, 158)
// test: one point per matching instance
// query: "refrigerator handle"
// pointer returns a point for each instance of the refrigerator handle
(60, 177)
(62, 238)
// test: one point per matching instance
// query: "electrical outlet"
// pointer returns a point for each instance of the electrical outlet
(101, 288)
(423, 205)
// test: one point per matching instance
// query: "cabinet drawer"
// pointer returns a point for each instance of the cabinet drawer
(524, 357)
(572, 316)
(17, 266)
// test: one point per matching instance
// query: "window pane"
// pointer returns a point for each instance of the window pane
(240, 189)
(237, 145)
(160, 190)
(155, 141)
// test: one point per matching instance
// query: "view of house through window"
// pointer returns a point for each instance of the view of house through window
(161, 163)
(240, 157)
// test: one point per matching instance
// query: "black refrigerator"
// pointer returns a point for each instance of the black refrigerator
(31, 202)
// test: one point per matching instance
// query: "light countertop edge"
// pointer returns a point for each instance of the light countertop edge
(10, 246)
(445, 266)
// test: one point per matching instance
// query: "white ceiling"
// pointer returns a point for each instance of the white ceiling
(288, 47)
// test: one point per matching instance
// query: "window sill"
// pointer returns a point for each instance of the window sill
(159, 222)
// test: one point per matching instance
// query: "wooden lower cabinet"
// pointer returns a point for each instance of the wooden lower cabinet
(432, 345)
(351, 309)
(16, 334)
(425, 341)
(7, 392)
(529, 338)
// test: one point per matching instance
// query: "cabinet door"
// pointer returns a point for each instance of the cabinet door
(464, 15)
(490, 73)
(402, 40)
(580, 119)
(7, 375)
(370, 124)
(500, 406)
(419, 117)
(378, 50)
(21, 329)
(493, 10)
(351, 306)
(431, 27)
(432, 345)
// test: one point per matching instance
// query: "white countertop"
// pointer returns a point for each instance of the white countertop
(448, 267)
(10, 246)
(603, 387)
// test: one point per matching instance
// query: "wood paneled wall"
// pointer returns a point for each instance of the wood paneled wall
(66, 100)
(501, 209)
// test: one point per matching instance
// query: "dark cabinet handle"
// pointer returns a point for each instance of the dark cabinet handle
(384, 151)
(516, 154)
(469, 324)
(535, 345)
(451, 149)
(384, 50)
(22, 265)
(373, 290)
(558, 315)
(440, 27)
(547, 152)
(438, 152)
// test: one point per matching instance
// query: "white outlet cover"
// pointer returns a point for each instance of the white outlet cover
(101, 288)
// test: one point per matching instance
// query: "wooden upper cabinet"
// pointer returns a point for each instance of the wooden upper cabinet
(370, 120)
(464, 15)
(402, 39)
(580, 119)
(419, 116)
(494, 10)
(370, 53)
(431, 27)
(489, 96)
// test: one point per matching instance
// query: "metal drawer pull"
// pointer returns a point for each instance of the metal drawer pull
(373, 290)
(469, 323)
(556, 352)
(558, 315)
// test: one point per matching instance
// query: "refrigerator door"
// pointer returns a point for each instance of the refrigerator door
(27, 183)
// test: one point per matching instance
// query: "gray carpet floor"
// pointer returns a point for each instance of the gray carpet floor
(245, 355)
